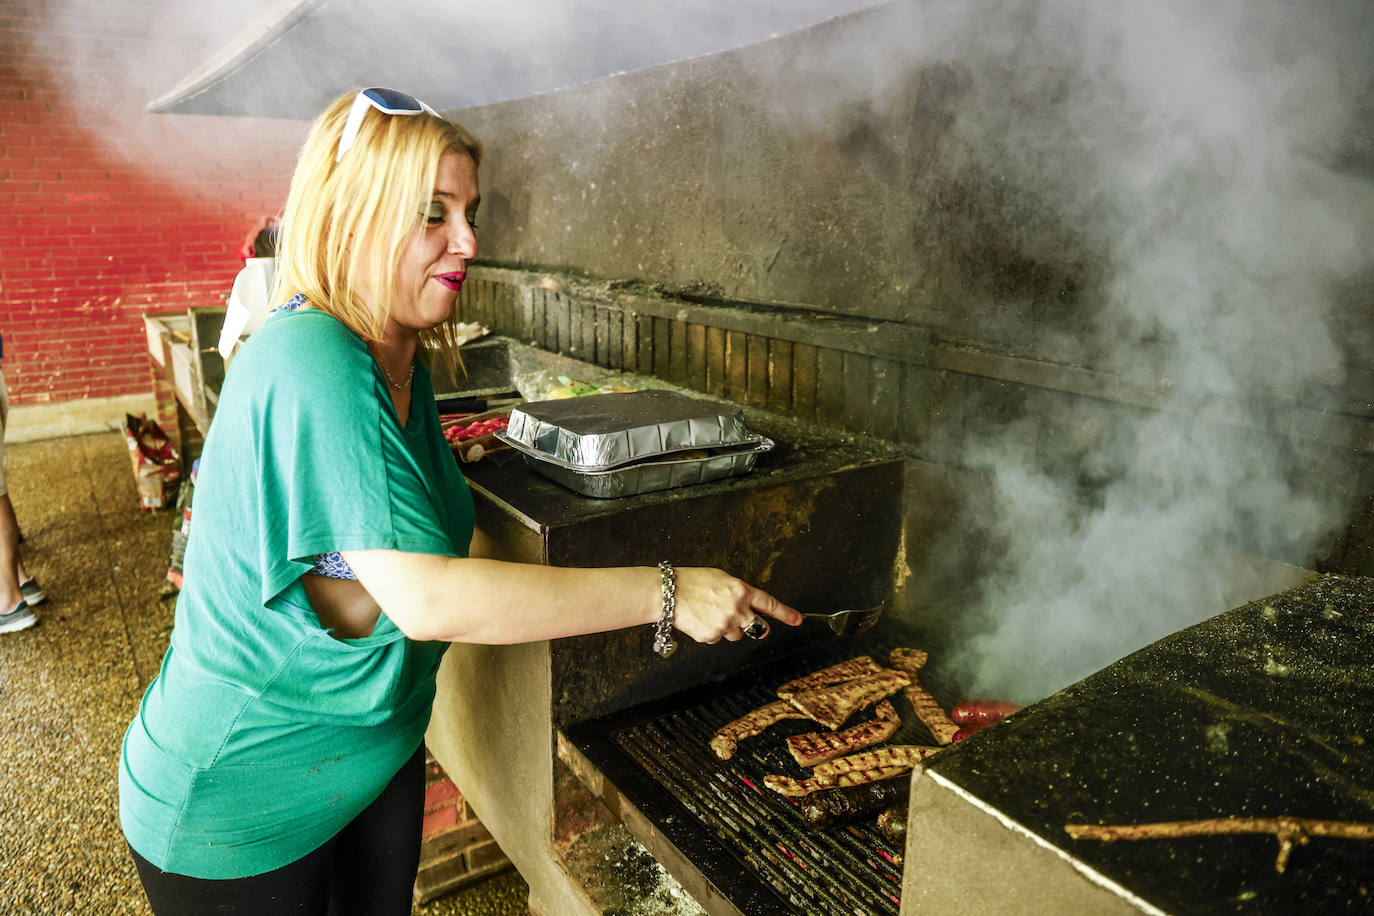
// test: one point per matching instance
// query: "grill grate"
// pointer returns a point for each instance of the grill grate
(842, 870)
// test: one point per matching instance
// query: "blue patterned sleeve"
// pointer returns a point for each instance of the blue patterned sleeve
(333, 566)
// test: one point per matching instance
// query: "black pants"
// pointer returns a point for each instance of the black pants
(367, 869)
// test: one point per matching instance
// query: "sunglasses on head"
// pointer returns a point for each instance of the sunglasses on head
(387, 101)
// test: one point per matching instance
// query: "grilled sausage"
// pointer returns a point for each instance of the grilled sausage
(892, 825)
(968, 731)
(981, 712)
(837, 807)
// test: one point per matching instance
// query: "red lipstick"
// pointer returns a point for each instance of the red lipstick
(453, 281)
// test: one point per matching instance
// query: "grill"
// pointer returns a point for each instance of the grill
(535, 733)
(750, 844)
(1261, 712)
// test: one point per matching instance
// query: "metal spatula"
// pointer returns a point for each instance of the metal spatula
(849, 623)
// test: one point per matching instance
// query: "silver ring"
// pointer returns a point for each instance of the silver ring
(756, 628)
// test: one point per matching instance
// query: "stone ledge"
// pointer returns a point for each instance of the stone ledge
(34, 422)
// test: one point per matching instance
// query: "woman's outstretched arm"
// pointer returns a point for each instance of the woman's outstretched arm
(494, 601)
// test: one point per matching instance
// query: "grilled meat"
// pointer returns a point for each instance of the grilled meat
(727, 738)
(844, 671)
(837, 807)
(976, 715)
(982, 712)
(892, 825)
(908, 660)
(930, 714)
(831, 706)
(817, 747)
(854, 770)
(795, 788)
(925, 705)
(900, 755)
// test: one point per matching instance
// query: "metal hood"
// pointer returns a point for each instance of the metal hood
(301, 53)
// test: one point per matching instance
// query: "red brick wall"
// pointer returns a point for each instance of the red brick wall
(106, 210)
(455, 849)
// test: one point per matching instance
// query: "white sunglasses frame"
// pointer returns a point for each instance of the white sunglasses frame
(361, 103)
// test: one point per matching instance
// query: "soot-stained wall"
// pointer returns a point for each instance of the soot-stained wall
(764, 174)
(978, 171)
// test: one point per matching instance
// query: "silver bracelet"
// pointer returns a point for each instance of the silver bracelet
(664, 644)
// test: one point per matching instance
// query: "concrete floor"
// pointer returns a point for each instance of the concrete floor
(70, 685)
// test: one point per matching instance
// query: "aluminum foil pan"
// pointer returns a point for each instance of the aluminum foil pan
(603, 431)
(645, 476)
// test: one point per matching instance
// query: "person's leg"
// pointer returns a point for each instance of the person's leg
(11, 573)
(10, 535)
(15, 613)
(298, 889)
(9, 555)
(11, 566)
(378, 853)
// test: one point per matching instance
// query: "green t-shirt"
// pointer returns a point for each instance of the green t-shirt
(263, 735)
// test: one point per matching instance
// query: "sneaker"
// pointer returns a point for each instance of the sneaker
(20, 617)
(33, 594)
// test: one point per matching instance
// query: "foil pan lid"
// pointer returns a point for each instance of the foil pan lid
(602, 431)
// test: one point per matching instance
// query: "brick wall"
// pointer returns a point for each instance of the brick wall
(110, 211)
(455, 849)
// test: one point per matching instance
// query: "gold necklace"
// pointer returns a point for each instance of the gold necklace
(394, 384)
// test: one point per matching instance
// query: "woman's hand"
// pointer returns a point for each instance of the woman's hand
(713, 605)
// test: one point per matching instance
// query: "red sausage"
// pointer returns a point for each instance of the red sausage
(981, 712)
(963, 733)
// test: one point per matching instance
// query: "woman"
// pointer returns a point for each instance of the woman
(274, 766)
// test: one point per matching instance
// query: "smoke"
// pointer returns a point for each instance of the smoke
(1172, 194)
(1194, 169)
(137, 50)
(96, 65)
(276, 58)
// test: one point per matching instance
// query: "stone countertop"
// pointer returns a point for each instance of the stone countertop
(1263, 711)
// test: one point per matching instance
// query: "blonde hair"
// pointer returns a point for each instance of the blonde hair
(345, 223)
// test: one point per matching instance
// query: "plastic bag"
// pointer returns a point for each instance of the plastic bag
(157, 465)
